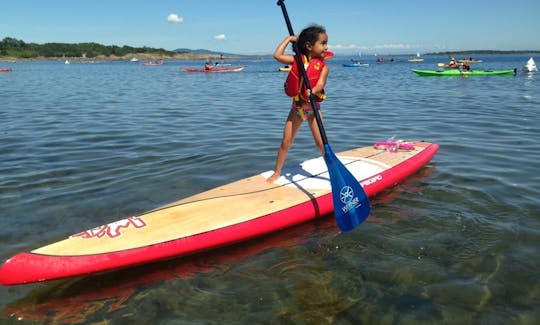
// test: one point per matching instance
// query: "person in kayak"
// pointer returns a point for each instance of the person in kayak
(465, 66)
(312, 44)
(453, 63)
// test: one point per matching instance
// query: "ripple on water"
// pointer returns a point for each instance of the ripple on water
(83, 145)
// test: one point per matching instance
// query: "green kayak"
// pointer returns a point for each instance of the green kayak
(457, 72)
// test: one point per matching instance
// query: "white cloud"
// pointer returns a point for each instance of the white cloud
(392, 47)
(174, 19)
(345, 47)
(374, 47)
(220, 37)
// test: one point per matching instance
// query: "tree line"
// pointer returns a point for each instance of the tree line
(12, 47)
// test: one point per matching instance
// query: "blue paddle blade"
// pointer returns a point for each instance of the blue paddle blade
(351, 204)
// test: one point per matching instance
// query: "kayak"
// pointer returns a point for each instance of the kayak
(350, 65)
(152, 63)
(215, 69)
(222, 216)
(457, 72)
(5, 69)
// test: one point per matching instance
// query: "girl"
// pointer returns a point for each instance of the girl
(313, 44)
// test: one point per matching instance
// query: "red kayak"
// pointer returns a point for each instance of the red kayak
(216, 69)
(5, 69)
(153, 63)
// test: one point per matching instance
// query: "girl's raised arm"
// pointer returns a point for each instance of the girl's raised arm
(279, 53)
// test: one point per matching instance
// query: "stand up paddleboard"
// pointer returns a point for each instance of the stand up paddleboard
(221, 216)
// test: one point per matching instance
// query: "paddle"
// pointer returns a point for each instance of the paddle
(351, 205)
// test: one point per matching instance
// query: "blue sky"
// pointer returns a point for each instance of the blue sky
(256, 26)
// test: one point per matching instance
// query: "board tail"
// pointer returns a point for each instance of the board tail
(351, 204)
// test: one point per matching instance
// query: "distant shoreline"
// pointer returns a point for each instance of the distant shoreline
(128, 57)
(468, 52)
(12, 49)
(183, 56)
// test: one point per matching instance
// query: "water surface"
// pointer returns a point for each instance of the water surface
(86, 144)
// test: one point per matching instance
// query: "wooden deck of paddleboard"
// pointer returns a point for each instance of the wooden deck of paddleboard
(223, 215)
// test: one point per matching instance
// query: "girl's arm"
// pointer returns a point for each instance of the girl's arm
(279, 53)
(322, 80)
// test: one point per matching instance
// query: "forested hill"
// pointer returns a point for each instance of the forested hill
(11, 47)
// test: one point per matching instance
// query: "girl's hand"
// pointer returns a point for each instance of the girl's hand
(279, 53)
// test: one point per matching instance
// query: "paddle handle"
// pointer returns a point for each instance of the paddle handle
(302, 70)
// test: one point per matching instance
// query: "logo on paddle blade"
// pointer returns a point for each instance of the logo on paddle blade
(346, 195)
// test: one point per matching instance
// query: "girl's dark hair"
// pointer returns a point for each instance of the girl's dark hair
(310, 35)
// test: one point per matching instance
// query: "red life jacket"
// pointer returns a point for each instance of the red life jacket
(294, 85)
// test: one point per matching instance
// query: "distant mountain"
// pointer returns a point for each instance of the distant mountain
(202, 51)
(214, 54)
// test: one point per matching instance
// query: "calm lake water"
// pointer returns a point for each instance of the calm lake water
(82, 145)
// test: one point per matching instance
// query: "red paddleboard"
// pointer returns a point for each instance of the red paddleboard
(222, 216)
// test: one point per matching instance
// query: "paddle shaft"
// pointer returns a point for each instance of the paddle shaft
(303, 72)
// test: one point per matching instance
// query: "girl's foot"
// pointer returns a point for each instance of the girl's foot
(273, 178)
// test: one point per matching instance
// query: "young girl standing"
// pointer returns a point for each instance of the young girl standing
(312, 44)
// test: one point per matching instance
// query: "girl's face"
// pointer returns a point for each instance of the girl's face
(320, 47)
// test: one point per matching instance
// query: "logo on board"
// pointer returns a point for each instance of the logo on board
(112, 230)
